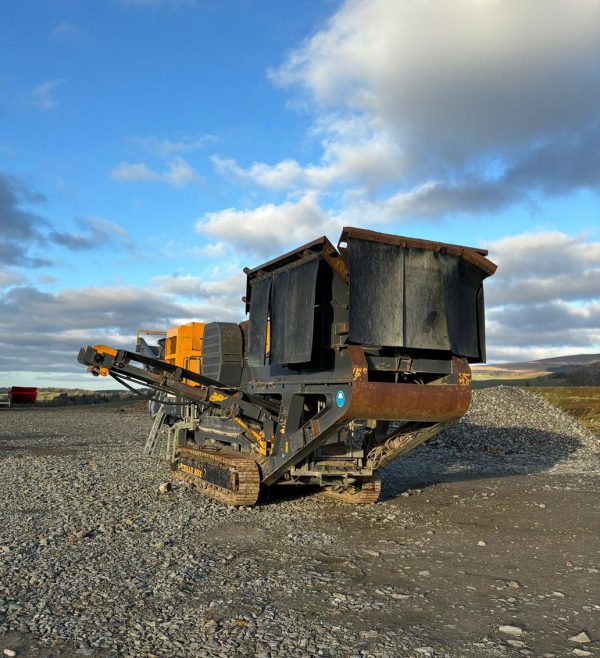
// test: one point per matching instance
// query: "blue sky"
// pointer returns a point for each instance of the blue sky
(150, 149)
(88, 85)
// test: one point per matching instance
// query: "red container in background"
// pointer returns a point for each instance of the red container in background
(22, 395)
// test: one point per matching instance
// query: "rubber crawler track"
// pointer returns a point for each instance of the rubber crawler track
(245, 468)
(366, 494)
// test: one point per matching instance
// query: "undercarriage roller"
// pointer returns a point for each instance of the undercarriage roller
(365, 493)
(230, 479)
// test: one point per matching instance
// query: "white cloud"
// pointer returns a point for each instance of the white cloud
(285, 174)
(269, 228)
(352, 152)
(226, 288)
(555, 324)
(44, 330)
(545, 296)
(214, 250)
(184, 251)
(545, 253)
(128, 172)
(178, 173)
(543, 267)
(41, 95)
(451, 80)
(465, 107)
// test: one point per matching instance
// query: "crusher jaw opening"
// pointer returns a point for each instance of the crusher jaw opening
(350, 357)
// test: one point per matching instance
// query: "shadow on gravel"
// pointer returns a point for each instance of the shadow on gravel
(280, 493)
(466, 452)
(476, 452)
(38, 444)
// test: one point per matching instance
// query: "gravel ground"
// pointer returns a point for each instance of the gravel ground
(492, 524)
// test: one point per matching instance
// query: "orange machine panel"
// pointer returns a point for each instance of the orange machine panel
(183, 346)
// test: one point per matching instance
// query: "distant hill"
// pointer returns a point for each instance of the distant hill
(548, 364)
(571, 370)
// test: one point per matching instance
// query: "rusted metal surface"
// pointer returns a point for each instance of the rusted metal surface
(417, 402)
(321, 247)
(336, 262)
(474, 255)
(400, 442)
(314, 245)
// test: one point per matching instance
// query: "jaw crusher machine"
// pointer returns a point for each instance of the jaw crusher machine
(350, 357)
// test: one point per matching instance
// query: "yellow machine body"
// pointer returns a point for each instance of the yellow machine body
(183, 347)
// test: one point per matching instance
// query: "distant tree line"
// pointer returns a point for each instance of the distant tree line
(585, 376)
(78, 397)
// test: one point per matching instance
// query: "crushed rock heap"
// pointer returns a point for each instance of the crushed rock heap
(507, 421)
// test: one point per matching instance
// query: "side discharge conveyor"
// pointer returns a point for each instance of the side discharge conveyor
(350, 357)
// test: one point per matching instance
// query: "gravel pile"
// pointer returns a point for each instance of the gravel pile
(513, 430)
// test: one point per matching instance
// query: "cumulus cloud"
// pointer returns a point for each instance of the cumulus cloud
(226, 289)
(540, 258)
(39, 329)
(555, 326)
(213, 250)
(45, 329)
(134, 172)
(544, 296)
(107, 309)
(456, 80)
(270, 227)
(27, 234)
(285, 174)
(95, 233)
(178, 173)
(465, 107)
(42, 95)
(22, 228)
(352, 153)
(553, 168)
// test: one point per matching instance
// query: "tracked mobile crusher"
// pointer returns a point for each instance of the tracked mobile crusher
(349, 358)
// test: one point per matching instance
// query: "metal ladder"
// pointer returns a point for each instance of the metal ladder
(153, 441)
(162, 439)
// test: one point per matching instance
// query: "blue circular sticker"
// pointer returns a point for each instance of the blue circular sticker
(340, 398)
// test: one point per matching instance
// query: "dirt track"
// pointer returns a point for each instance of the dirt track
(94, 561)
